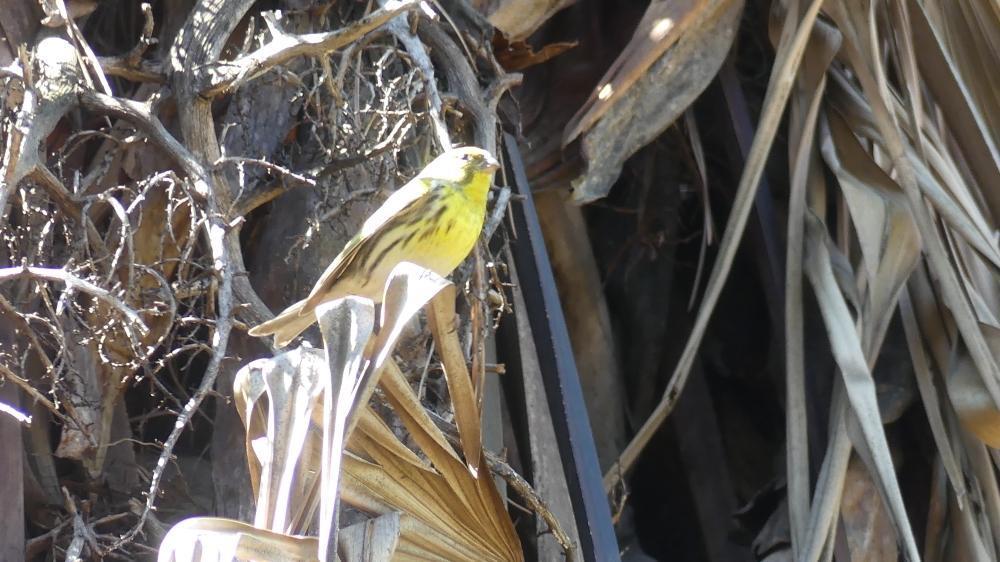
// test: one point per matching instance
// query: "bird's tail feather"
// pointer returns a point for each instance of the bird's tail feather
(286, 325)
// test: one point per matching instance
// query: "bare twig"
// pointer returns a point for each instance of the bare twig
(708, 230)
(461, 76)
(227, 76)
(418, 55)
(21, 325)
(499, 210)
(82, 532)
(499, 87)
(493, 94)
(131, 65)
(269, 165)
(395, 137)
(140, 116)
(50, 274)
(245, 205)
(85, 53)
(29, 389)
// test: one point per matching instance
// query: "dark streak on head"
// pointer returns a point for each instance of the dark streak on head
(467, 175)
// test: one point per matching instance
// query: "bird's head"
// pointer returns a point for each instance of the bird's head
(462, 165)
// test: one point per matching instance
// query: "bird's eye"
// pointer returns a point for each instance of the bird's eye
(465, 157)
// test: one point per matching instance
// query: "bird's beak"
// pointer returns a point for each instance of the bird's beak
(490, 164)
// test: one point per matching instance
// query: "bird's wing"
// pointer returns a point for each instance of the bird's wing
(395, 205)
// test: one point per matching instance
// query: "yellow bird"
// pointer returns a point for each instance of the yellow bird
(433, 221)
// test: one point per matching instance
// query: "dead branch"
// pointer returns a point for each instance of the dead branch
(199, 45)
(28, 389)
(399, 27)
(131, 65)
(70, 280)
(245, 204)
(226, 76)
(462, 79)
(206, 192)
(140, 115)
(49, 96)
(21, 325)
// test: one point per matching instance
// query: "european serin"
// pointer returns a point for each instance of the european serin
(433, 221)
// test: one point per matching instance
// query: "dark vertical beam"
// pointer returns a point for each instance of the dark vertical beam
(704, 458)
(773, 256)
(562, 384)
(11, 473)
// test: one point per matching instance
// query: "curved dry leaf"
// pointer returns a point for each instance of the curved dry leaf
(431, 441)
(466, 524)
(408, 289)
(347, 325)
(248, 387)
(460, 516)
(959, 186)
(957, 105)
(811, 84)
(980, 289)
(830, 483)
(478, 501)
(967, 542)
(420, 425)
(969, 225)
(934, 318)
(929, 396)
(518, 19)
(518, 55)
(662, 25)
(989, 492)
(941, 183)
(650, 86)
(859, 385)
(867, 67)
(969, 397)
(441, 317)
(887, 233)
(276, 438)
(205, 539)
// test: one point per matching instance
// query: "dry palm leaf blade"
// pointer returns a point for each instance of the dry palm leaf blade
(439, 510)
(214, 538)
(675, 52)
(518, 19)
